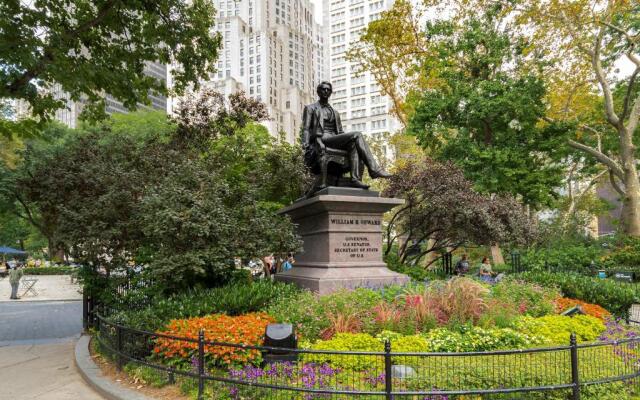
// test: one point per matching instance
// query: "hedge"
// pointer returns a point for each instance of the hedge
(616, 297)
(50, 271)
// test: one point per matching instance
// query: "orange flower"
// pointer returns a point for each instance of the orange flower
(245, 330)
(564, 303)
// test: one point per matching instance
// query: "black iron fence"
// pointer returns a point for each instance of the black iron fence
(205, 369)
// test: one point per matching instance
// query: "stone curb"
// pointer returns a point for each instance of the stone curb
(92, 375)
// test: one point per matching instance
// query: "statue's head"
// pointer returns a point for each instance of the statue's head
(324, 90)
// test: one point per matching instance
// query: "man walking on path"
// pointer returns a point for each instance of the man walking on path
(14, 279)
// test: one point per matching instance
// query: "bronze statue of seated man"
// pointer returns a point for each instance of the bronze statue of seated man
(324, 141)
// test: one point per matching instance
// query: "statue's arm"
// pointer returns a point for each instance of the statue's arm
(310, 135)
(306, 126)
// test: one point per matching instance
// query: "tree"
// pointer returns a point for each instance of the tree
(442, 211)
(134, 188)
(89, 48)
(18, 233)
(196, 223)
(80, 188)
(486, 113)
(587, 41)
(225, 131)
(390, 49)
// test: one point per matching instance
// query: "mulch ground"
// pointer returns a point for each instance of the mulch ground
(109, 370)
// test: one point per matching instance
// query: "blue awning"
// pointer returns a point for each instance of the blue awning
(9, 250)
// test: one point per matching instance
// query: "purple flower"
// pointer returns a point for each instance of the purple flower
(195, 363)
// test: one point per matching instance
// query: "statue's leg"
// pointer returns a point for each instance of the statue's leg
(365, 152)
(354, 164)
(323, 172)
(369, 160)
(342, 141)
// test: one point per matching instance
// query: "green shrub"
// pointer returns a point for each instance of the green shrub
(530, 298)
(517, 370)
(50, 271)
(616, 297)
(623, 254)
(234, 299)
(556, 329)
(348, 342)
(410, 344)
(309, 312)
(568, 257)
(478, 339)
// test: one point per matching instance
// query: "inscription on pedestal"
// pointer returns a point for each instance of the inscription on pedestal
(356, 246)
(355, 221)
(342, 243)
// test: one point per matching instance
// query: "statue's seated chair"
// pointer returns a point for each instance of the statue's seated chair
(329, 166)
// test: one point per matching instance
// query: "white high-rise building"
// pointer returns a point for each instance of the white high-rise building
(357, 97)
(273, 50)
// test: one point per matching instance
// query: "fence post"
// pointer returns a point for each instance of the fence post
(119, 347)
(388, 379)
(201, 364)
(575, 375)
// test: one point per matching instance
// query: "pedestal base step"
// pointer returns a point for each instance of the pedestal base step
(327, 280)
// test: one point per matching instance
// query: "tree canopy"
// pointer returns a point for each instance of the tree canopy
(131, 188)
(442, 211)
(88, 48)
(485, 113)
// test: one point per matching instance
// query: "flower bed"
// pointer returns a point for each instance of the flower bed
(245, 329)
(564, 303)
(459, 315)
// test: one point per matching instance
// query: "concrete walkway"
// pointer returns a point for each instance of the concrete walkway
(42, 372)
(48, 287)
(37, 343)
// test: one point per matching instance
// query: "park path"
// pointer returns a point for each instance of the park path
(37, 341)
(48, 288)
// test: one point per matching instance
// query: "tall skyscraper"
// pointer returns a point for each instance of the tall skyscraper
(357, 96)
(273, 50)
(69, 115)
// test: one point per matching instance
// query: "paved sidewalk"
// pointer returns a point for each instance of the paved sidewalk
(49, 288)
(28, 323)
(42, 372)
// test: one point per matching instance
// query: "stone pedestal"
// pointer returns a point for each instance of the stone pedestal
(342, 233)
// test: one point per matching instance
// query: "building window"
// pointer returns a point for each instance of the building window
(361, 127)
(379, 124)
(359, 113)
(358, 102)
(378, 110)
(358, 90)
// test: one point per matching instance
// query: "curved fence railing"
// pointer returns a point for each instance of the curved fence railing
(567, 370)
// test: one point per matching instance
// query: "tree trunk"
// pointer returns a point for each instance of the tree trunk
(631, 202)
(496, 255)
(430, 256)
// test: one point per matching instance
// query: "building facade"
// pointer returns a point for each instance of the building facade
(272, 50)
(356, 96)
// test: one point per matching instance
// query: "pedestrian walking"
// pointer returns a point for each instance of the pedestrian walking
(14, 279)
